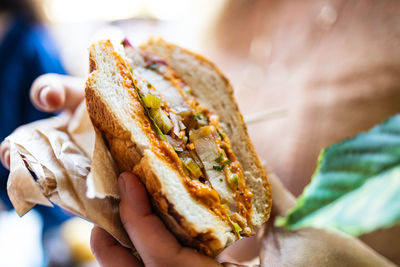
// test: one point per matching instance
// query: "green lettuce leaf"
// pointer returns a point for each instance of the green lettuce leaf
(356, 187)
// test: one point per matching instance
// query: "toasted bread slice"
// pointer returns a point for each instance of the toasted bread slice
(115, 109)
(214, 91)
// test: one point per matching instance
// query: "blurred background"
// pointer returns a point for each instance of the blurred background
(305, 73)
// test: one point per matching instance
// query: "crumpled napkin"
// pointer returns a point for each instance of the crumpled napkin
(65, 162)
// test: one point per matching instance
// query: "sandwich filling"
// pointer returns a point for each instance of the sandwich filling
(190, 137)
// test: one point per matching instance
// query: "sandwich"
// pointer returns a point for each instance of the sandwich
(168, 115)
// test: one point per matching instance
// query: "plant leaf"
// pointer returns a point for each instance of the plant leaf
(356, 187)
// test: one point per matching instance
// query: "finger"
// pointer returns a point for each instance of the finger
(148, 233)
(5, 154)
(53, 92)
(108, 252)
(283, 200)
(243, 250)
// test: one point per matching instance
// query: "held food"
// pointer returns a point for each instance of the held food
(168, 115)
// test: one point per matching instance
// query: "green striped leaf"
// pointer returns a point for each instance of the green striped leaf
(356, 187)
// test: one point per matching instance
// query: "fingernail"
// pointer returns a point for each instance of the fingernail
(121, 185)
(43, 95)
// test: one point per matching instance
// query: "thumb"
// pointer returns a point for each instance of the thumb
(149, 235)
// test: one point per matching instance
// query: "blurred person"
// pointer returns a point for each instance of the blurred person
(26, 52)
(333, 65)
(297, 47)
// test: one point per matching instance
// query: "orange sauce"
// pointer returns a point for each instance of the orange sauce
(243, 196)
(200, 191)
(208, 196)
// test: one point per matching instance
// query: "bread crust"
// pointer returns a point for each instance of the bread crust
(174, 55)
(207, 242)
(131, 155)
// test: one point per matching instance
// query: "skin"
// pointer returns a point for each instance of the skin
(155, 244)
(158, 247)
(334, 67)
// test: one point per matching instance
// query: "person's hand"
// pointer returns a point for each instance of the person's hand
(152, 240)
(155, 244)
(51, 93)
